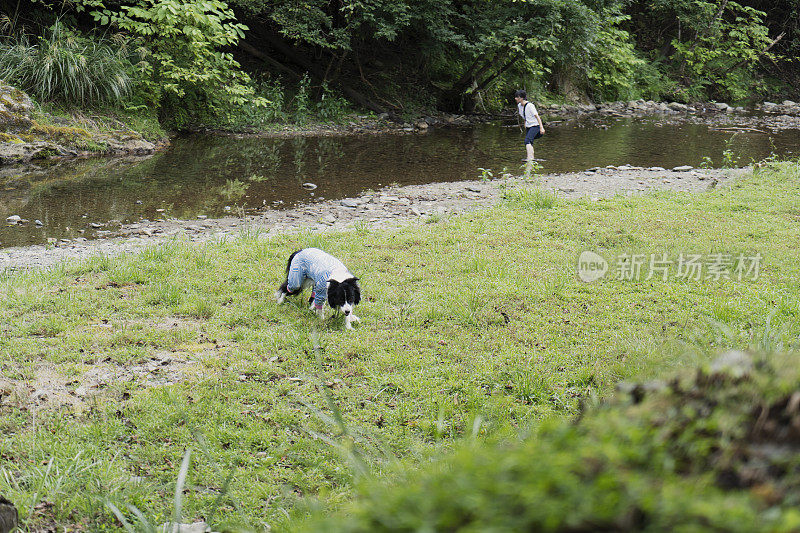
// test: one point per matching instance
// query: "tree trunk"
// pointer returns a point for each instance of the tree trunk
(564, 81)
(457, 99)
(255, 52)
(472, 75)
(485, 83)
(277, 44)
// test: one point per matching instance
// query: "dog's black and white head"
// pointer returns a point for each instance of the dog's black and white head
(344, 295)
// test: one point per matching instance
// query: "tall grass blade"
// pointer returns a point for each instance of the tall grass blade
(177, 514)
(114, 509)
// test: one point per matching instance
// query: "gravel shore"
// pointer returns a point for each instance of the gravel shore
(390, 206)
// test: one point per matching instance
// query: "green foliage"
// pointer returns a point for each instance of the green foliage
(301, 103)
(710, 451)
(331, 107)
(724, 50)
(416, 57)
(530, 198)
(729, 158)
(66, 66)
(651, 82)
(300, 109)
(613, 61)
(337, 25)
(712, 49)
(184, 69)
(273, 92)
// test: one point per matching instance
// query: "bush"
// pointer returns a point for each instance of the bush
(714, 451)
(331, 107)
(613, 61)
(68, 67)
(185, 72)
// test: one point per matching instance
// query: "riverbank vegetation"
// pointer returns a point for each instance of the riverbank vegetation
(474, 328)
(250, 63)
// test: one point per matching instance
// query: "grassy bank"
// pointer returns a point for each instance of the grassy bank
(473, 325)
(98, 122)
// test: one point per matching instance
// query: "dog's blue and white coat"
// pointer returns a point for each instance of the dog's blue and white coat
(331, 281)
(319, 267)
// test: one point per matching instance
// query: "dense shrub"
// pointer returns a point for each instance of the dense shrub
(714, 451)
(186, 71)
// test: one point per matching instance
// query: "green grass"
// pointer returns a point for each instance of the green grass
(101, 120)
(65, 65)
(473, 325)
(531, 198)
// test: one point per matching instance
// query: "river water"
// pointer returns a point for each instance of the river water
(213, 176)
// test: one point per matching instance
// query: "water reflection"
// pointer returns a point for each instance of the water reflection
(214, 175)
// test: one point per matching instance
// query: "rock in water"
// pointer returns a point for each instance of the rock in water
(8, 516)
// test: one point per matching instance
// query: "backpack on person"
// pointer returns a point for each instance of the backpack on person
(522, 126)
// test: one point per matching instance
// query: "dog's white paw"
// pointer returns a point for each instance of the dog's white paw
(280, 296)
(354, 318)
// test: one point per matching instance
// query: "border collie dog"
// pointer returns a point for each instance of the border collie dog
(330, 279)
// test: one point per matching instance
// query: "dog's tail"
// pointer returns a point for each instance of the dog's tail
(289, 262)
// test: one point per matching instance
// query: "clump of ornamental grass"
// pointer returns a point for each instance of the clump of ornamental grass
(63, 65)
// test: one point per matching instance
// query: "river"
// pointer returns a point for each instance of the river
(214, 175)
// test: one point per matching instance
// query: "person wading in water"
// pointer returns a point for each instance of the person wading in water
(533, 123)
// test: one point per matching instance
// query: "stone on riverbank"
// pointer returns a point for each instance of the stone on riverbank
(15, 109)
(9, 516)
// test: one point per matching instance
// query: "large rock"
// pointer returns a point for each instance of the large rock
(134, 146)
(15, 109)
(8, 516)
(25, 152)
(23, 139)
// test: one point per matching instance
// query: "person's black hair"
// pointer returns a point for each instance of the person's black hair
(521, 94)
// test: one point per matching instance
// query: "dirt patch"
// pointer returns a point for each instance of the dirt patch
(171, 322)
(50, 389)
